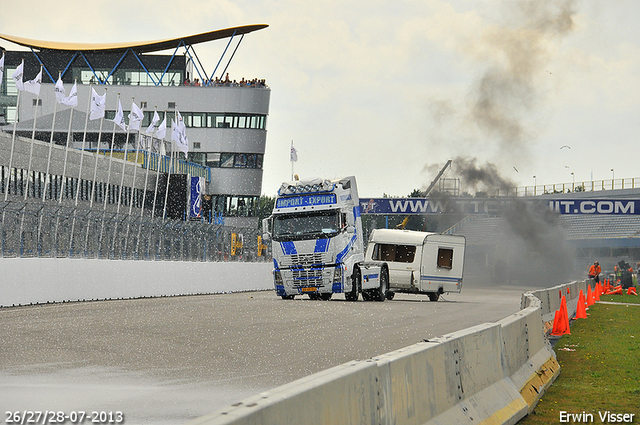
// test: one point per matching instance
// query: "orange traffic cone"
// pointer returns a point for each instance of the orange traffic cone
(590, 300)
(581, 310)
(632, 291)
(597, 292)
(561, 320)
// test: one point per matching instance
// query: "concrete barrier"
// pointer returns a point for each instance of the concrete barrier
(42, 280)
(343, 395)
(529, 359)
(492, 373)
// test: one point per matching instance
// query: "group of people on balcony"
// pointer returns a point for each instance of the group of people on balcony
(226, 82)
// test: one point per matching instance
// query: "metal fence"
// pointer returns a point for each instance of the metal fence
(32, 230)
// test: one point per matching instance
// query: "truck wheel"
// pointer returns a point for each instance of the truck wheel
(381, 293)
(433, 296)
(287, 297)
(390, 295)
(326, 296)
(355, 287)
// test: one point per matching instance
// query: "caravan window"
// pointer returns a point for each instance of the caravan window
(445, 258)
(394, 253)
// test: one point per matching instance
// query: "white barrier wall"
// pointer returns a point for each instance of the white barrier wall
(494, 372)
(41, 280)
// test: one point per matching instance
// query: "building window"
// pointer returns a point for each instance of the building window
(234, 160)
(196, 145)
(171, 105)
(33, 102)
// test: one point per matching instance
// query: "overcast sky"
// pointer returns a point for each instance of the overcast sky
(389, 91)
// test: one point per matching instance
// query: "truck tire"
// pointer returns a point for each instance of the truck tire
(390, 295)
(326, 296)
(433, 296)
(380, 294)
(355, 287)
(287, 297)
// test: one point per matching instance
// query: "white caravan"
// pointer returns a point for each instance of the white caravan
(419, 262)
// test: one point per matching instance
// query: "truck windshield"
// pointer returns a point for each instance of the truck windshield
(313, 225)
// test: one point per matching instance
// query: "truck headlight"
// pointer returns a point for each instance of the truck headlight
(337, 274)
(277, 277)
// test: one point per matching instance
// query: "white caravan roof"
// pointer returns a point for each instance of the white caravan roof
(397, 236)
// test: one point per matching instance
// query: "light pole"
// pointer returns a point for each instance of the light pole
(613, 179)
(535, 184)
(573, 182)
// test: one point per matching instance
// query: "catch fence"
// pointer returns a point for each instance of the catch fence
(32, 230)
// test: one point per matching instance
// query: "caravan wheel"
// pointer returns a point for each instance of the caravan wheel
(434, 296)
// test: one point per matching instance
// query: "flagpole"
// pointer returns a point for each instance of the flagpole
(135, 169)
(53, 125)
(146, 176)
(124, 164)
(33, 135)
(113, 142)
(291, 159)
(160, 158)
(13, 142)
(166, 193)
(84, 140)
(95, 169)
(66, 153)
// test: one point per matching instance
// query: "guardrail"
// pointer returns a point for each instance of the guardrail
(495, 372)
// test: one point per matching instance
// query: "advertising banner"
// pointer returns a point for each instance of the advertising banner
(406, 206)
(196, 187)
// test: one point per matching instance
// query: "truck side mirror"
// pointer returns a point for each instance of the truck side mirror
(266, 230)
(351, 229)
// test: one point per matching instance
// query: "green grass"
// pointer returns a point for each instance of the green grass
(600, 365)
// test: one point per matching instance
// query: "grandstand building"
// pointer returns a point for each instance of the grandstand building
(226, 125)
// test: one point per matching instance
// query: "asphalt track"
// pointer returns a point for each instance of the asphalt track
(168, 360)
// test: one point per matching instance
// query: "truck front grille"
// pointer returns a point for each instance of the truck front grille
(305, 275)
(305, 260)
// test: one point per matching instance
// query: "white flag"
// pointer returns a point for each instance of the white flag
(33, 86)
(183, 143)
(59, 90)
(2, 68)
(135, 117)
(97, 105)
(179, 134)
(175, 132)
(163, 150)
(154, 121)
(17, 76)
(119, 118)
(294, 154)
(72, 99)
(162, 128)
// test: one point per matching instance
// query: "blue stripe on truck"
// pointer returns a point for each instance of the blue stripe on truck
(322, 245)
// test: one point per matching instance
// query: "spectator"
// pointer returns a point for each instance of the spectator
(594, 272)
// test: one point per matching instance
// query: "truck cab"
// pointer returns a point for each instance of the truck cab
(316, 234)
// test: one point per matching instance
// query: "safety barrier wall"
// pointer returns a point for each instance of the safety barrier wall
(495, 372)
(43, 280)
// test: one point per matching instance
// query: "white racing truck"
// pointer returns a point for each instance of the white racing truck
(419, 262)
(317, 245)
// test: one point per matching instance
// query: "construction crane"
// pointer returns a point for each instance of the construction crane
(426, 193)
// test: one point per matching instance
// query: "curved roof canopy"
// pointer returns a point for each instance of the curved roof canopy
(141, 47)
